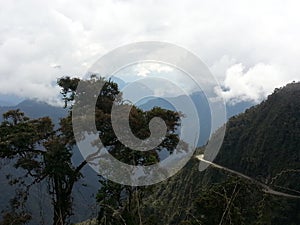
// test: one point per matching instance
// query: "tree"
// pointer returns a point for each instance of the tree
(44, 152)
(116, 200)
(120, 203)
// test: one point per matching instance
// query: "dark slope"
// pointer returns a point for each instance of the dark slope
(265, 140)
(264, 143)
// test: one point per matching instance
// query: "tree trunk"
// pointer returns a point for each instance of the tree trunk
(62, 202)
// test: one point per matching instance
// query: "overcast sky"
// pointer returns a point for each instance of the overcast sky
(250, 46)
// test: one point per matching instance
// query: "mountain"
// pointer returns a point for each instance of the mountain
(6, 103)
(9, 100)
(175, 201)
(266, 139)
(261, 151)
(39, 202)
(36, 109)
(202, 107)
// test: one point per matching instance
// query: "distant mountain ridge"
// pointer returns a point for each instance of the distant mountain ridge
(36, 109)
(202, 107)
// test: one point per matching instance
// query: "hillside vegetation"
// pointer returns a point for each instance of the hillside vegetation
(263, 143)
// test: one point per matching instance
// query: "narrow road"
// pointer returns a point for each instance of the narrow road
(265, 187)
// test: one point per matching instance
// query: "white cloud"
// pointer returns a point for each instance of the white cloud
(253, 84)
(144, 69)
(262, 35)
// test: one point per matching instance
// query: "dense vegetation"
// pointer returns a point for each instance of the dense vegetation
(262, 143)
(44, 152)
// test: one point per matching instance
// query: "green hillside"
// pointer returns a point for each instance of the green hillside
(263, 143)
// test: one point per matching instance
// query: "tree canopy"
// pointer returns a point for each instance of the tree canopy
(45, 152)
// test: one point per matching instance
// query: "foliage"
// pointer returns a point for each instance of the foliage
(45, 152)
(263, 143)
(116, 201)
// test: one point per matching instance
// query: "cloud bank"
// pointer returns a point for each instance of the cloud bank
(253, 84)
(250, 46)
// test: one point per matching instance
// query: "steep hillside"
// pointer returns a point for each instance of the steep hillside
(263, 143)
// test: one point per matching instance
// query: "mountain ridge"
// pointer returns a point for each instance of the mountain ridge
(262, 143)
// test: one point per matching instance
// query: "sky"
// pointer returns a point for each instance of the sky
(251, 47)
